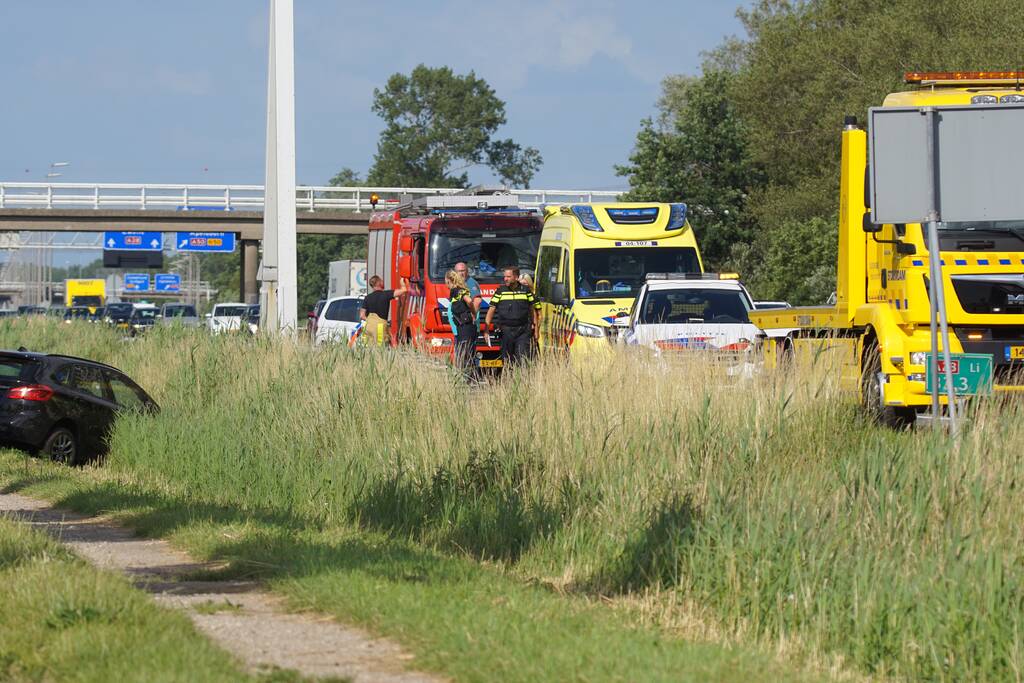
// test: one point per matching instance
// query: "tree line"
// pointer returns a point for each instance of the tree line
(752, 142)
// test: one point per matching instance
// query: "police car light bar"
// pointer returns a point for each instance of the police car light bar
(692, 276)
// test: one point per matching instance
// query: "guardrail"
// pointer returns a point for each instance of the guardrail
(20, 195)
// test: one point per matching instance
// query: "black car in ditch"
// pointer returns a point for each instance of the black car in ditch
(63, 407)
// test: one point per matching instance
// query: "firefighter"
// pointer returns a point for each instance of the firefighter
(376, 309)
(517, 312)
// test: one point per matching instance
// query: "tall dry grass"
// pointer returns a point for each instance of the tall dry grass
(771, 502)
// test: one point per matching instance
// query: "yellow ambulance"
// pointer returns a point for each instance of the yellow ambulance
(593, 260)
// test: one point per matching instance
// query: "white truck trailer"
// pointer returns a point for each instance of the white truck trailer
(346, 278)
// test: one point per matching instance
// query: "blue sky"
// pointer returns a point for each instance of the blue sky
(175, 92)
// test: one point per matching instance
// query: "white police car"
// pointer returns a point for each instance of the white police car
(698, 312)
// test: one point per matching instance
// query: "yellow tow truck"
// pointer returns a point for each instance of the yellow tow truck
(879, 327)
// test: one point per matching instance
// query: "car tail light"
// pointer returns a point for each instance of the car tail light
(31, 392)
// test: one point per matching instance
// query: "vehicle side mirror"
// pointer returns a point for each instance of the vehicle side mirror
(405, 267)
(559, 296)
(870, 227)
(405, 243)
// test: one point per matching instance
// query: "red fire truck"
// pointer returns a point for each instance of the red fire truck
(421, 240)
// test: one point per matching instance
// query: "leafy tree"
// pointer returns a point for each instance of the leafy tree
(437, 124)
(794, 261)
(317, 251)
(697, 152)
(802, 66)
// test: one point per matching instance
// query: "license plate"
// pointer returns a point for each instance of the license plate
(972, 373)
(495, 363)
(1015, 353)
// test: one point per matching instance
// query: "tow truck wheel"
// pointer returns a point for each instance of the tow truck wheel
(871, 384)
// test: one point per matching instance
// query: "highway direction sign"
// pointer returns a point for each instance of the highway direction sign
(168, 282)
(133, 241)
(210, 242)
(136, 282)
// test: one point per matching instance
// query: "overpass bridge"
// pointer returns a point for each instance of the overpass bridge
(324, 210)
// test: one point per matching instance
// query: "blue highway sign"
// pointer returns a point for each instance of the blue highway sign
(210, 242)
(140, 241)
(136, 282)
(168, 282)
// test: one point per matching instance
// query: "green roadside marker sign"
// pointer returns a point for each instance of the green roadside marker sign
(972, 373)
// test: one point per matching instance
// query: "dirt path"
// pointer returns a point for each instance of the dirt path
(239, 616)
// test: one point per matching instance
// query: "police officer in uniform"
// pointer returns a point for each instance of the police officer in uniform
(518, 316)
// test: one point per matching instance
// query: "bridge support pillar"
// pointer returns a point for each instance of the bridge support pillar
(248, 288)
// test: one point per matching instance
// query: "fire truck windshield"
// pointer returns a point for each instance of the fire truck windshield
(486, 253)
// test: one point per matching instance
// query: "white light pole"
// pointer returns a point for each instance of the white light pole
(278, 272)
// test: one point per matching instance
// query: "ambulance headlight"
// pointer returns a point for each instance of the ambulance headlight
(585, 330)
(919, 358)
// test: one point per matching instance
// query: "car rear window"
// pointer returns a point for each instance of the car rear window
(346, 310)
(228, 311)
(17, 368)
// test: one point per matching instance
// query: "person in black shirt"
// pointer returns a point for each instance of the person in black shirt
(463, 310)
(376, 308)
(517, 312)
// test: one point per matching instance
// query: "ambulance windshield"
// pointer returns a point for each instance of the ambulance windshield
(608, 273)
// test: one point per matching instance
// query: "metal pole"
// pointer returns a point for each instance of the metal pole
(279, 273)
(937, 284)
(933, 278)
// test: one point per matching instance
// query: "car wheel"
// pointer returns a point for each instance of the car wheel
(61, 446)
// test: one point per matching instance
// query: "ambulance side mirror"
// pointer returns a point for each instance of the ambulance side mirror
(559, 297)
(405, 243)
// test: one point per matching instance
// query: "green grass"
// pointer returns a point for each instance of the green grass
(471, 622)
(62, 620)
(637, 500)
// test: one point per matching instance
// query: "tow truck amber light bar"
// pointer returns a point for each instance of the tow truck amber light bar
(927, 76)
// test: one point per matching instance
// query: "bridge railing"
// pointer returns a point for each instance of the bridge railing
(162, 197)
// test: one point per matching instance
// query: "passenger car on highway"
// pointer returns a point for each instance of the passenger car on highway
(338, 319)
(63, 407)
(77, 313)
(226, 317)
(679, 312)
(143, 318)
(179, 314)
(313, 317)
(118, 314)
